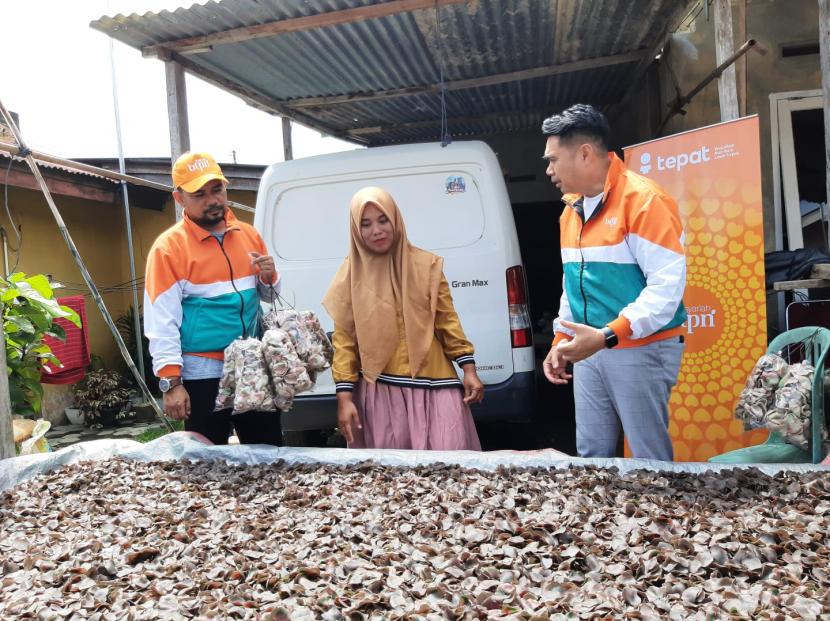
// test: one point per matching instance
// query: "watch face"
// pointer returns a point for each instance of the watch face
(164, 384)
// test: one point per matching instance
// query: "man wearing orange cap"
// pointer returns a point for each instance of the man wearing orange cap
(205, 278)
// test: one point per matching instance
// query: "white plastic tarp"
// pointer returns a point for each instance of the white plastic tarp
(184, 445)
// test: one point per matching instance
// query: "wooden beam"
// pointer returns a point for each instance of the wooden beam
(807, 283)
(177, 114)
(21, 179)
(287, 148)
(739, 24)
(382, 129)
(457, 85)
(724, 47)
(6, 431)
(824, 61)
(177, 109)
(297, 24)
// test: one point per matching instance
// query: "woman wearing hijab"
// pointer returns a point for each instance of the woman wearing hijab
(396, 334)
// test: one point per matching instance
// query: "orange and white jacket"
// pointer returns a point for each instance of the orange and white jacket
(625, 267)
(201, 293)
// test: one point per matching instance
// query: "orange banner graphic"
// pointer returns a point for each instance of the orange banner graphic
(715, 175)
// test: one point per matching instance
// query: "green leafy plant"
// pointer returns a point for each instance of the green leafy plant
(29, 313)
(99, 391)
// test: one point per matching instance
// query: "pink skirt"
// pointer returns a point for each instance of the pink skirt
(413, 418)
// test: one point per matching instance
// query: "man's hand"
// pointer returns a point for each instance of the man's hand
(347, 416)
(586, 342)
(554, 367)
(267, 269)
(473, 388)
(177, 403)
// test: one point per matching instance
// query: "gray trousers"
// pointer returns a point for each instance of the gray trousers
(629, 388)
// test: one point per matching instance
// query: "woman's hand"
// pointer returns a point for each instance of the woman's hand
(347, 417)
(473, 388)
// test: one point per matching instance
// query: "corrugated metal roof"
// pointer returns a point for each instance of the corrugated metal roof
(48, 165)
(412, 49)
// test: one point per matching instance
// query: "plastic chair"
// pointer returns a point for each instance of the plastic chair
(816, 344)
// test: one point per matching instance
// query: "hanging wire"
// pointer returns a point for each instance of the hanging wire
(73, 249)
(446, 137)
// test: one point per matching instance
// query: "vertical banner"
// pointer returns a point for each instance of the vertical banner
(715, 175)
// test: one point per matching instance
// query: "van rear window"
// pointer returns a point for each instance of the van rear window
(311, 222)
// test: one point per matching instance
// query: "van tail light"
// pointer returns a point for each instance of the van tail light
(520, 333)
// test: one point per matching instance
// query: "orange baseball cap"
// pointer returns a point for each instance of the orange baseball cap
(193, 170)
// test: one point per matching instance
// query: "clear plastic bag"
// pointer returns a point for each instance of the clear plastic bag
(758, 395)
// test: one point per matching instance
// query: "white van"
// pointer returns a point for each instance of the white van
(455, 204)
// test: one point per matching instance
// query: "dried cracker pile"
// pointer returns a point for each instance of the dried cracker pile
(177, 540)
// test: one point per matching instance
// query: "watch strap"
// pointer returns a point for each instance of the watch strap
(611, 339)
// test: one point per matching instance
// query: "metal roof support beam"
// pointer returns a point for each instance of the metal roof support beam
(724, 46)
(457, 85)
(297, 24)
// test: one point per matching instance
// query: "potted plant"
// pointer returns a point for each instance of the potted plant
(102, 397)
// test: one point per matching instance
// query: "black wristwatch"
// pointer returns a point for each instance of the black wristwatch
(611, 339)
(166, 383)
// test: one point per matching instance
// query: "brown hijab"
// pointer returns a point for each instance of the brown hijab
(369, 288)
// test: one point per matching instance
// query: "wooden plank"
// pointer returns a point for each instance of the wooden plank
(807, 283)
(456, 85)
(821, 270)
(287, 147)
(177, 115)
(25, 180)
(724, 48)
(6, 432)
(824, 61)
(297, 24)
(382, 129)
(739, 23)
(177, 109)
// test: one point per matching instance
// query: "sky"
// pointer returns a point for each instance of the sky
(56, 74)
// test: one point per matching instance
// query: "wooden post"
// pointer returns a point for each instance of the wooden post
(824, 50)
(6, 432)
(287, 147)
(177, 114)
(741, 63)
(724, 46)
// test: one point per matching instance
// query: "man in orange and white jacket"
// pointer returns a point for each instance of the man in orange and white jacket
(624, 274)
(205, 278)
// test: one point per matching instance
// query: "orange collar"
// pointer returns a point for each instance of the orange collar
(202, 234)
(616, 170)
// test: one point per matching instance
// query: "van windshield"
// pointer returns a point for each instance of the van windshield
(311, 221)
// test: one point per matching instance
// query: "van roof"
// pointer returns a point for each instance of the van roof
(382, 158)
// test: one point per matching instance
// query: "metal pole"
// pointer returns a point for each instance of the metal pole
(676, 107)
(73, 249)
(139, 344)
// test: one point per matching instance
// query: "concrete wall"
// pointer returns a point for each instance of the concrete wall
(692, 55)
